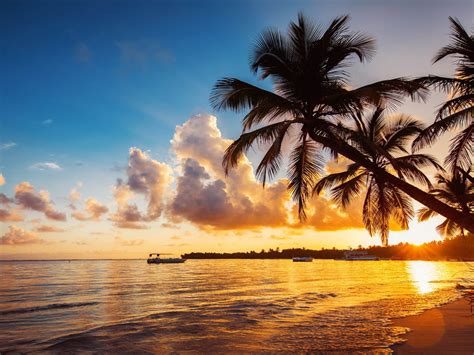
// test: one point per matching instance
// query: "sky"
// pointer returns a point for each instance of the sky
(109, 147)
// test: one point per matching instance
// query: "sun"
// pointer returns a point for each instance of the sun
(419, 233)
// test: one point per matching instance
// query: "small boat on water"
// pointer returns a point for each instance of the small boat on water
(158, 260)
(302, 259)
(359, 255)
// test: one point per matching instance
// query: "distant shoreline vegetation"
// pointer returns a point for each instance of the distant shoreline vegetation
(461, 248)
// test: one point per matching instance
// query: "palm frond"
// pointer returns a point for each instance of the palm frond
(375, 124)
(382, 217)
(448, 228)
(462, 45)
(272, 54)
(446, 196)
(306, 165)
(420, 161)
(302, 35)
(262, 135)
(459, 103)
(338, 27)
(270, 163)
(344, 193)
(425, 213)
(237, 95)
(330, 180)
(385, 93)
(461, 149)
(407, 167)
(431, 133)
(357, 44)
(451, 86)
(400, 132)
(402, 208)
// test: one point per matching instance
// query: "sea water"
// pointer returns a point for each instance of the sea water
(216, 305)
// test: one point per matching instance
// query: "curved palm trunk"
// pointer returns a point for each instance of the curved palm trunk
(463, 220)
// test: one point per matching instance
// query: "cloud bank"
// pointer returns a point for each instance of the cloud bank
(17, 235)
(195, 191)
(205, 197)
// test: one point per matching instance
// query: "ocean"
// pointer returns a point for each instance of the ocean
(216, 305)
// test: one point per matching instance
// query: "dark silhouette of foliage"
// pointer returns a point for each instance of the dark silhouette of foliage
(381, 141)
(458, 111)
(308, 70)
(461, 248)
(457, 190)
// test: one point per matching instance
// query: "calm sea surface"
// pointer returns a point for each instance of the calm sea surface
(215, 305)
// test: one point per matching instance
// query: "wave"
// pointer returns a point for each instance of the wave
(47, 307)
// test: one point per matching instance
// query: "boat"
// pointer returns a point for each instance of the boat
(158, 260)
(302, 259)
(359, 255)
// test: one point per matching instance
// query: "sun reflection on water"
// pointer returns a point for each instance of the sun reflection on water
(423, 273)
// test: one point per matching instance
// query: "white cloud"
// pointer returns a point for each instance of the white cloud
(47, 122)
(6, 146)
(46, 166)
(2, 180)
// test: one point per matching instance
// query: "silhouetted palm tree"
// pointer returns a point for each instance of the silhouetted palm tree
(458, 111)
(310, 90)
(457, 190)
(381, 143)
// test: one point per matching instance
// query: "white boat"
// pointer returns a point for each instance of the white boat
(359, 255)
(158, 260)
(302, 259)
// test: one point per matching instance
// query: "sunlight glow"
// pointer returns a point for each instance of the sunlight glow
(419, 233)
(424, 273)
(421, 273)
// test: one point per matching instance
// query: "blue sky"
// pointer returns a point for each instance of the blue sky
(83, 81)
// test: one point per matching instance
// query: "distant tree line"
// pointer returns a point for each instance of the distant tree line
(461, 248)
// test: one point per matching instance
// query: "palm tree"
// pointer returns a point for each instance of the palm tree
(310, 90)
(458, 111)
(457, 190)
(381, 143)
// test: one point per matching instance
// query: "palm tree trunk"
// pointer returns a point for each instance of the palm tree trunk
(417, 194)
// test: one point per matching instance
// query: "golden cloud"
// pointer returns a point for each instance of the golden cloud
(93, 211)
(209, 199)
(17, 235)
(146, 177)
(28, 198)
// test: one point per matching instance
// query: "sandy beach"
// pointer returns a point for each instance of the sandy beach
(448, 329)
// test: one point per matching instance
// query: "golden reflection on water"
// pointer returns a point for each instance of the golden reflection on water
(214, 305)
(423, 273)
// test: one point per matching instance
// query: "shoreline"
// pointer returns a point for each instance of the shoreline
(448, 328)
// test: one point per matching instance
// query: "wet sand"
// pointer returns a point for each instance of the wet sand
(448, 329)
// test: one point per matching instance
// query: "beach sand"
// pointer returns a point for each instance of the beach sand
(448, 329)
